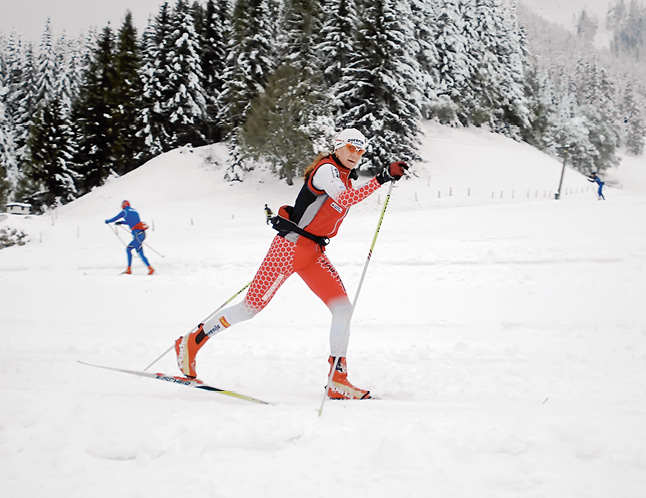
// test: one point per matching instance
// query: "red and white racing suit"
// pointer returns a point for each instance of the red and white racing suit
(320, 208)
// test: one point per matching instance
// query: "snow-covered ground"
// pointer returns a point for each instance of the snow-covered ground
(504, 330)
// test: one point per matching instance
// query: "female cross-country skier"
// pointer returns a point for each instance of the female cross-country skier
(131, 218)
(595, 179)
(303, 231)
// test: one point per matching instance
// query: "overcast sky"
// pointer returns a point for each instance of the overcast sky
(28, 17)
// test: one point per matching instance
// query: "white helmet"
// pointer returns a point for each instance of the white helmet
(352, 137)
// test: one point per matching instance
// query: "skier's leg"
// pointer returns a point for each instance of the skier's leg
(141, 236)
(129, 248)
(274, 270)
(323, 279)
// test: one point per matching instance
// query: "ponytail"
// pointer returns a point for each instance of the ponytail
(310, 168)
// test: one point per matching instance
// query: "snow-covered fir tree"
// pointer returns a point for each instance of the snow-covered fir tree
(95, 116)
(47, 68)
(629, 39)
(9, 106)
(292, 117)
(337, 37)
(595, 100)
(73, 58)
(156, 74)
(378, 88)
(129, 148)
(424, 13)
(25, 102)
(250, 61)
(8, 163)
(456, 63)
(214, 35)
(21, 103)
(571, 133)
(634, 124)
(540, 93)
(51, 174)
(497, 91)
(66, 88)
(587, 26)
(186, 107)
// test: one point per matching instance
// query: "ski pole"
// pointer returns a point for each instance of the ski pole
(147, 245)
(114, 231)
(203, 321)
(356, 296)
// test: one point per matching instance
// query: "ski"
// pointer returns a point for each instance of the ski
(182, 381)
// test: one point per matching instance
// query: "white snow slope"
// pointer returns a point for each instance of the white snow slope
(504, 331)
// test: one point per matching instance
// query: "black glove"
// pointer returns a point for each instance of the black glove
(120, 223)
(393, 172)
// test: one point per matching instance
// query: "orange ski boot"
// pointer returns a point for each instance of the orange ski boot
(186, 348)
(128, 271)
(340, 387)
(151, 270)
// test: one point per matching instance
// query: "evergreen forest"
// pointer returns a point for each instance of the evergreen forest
(276, 79)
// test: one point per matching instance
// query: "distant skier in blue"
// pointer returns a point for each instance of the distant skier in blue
(131, 218)
(595, 179)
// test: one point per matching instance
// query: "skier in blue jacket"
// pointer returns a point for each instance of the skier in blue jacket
(594, 178)
(131, 218)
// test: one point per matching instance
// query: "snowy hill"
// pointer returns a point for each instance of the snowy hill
(503, 330)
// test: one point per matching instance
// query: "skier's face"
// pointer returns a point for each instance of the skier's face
(349, 155)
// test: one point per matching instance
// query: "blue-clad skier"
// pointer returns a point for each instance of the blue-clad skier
(131, 218)
(594, 178)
